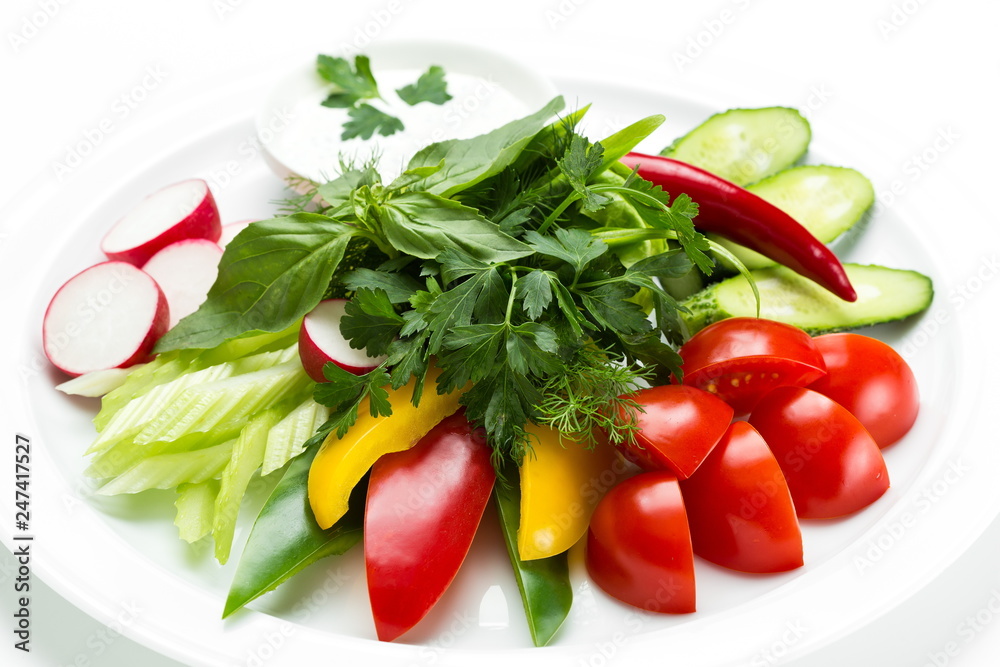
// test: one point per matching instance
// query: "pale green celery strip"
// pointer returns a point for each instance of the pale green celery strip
(203, 407)
(161, 370)
(131, 419)
(167, 471)
(173, 365)
(96, 383)
(285, 440)
(195, 509)
(125, 454)
(247, 457)
(242, 347)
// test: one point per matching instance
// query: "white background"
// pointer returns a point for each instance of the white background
(900, 73)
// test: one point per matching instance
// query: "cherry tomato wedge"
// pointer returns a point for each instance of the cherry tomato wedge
(740, 509)
(872, 381)
(639, 547)
(832, 465)
(742, 358)
(678, 428)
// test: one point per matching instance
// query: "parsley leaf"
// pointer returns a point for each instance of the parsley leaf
(578, 164)
(366, 120)
(345, 393)
(574, 246)
(354, 83)
(430, 87)
(370, 321)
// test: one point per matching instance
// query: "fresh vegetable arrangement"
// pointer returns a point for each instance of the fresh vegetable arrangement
(514, 317)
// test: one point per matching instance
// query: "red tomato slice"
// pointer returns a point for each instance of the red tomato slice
(739, 507)
(639, 547)
(424, 505)
(742, 358)
(832, 465)
(872, 381)
(678, 429)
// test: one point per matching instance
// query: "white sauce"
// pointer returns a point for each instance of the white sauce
(310, 144)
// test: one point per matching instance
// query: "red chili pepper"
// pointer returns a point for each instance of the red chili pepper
(741, 216)
(424, 506)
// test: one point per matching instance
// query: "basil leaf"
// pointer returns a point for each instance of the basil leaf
(338, 192)
(286, 538)
(469, 161)
(544, 583)
(423, 225)
(269, 277)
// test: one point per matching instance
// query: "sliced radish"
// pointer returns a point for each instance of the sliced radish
(231, 229)
(320, 341)
(107, 316)
(185, 271)
(184, 210)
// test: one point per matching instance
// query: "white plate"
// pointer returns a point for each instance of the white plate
(119, 559)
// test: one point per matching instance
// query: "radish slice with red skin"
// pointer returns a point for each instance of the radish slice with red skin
(320, 341)
(184, 210)
(107, 316)
(231, 229)
(185, 272)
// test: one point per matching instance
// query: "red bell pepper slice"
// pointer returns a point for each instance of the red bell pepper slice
(424, 506)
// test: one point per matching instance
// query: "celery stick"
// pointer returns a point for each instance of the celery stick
(130, 419)
(202, 407)
(126, 453)
(195, 509)
(285, 440)
(247, 456)
(238, 348)
(167, 471)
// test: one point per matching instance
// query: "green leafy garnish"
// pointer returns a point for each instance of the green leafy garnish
(515, 262)
(430, 87)
(353, 83)
(366, 120)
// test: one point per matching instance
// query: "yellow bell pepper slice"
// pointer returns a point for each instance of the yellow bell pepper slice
(340, 463)
(561, 484)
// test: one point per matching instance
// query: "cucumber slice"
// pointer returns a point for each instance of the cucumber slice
(884, 295)
(825, 200)
(745, 145)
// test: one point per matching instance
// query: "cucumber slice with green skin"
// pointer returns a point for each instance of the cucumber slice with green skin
(884, 295)
(745, 145)
(825, 200)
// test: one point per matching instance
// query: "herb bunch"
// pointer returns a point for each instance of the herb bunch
(521, 263)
